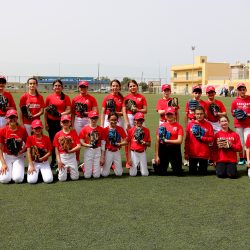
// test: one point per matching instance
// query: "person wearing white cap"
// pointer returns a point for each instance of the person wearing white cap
(38, 151)
(12, 148)
(241, 105)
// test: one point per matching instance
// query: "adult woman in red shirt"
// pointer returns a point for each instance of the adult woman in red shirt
(63, 106)
(34, 102)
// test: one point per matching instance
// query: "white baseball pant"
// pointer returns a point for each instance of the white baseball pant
(46, 172)
(28, 128)
(243, 133)
(15, 169)
(69, 161)
(112, 157)
(80, 123)
(92, 162)
(131, 120)
(2, 121)
(106, 121)
(137, 158)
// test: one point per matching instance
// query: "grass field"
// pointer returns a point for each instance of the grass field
(128, 213)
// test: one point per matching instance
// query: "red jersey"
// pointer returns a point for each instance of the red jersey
(162, 104)
(35, 103)
(43, 142)
(118, 102)
(89, 100)
(89, 135)
(120, 134)
(133, 143)
(244, 104)
(72, 135)
(195, 148)
(210, 116)
(60, 104)
(139, 99)
(5, 133)
(227, 154)
(248, 141)
(11, 103)
(190, 113)
(175, 129)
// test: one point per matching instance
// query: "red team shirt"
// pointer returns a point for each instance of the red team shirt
(162, 104)
(118, 102)
(248, 141)
(195, 148)
(87, 99)
(210, 116)
(243, 104)
(191, 113)
(60, 104)
(139, 99)
(72, 134)
(35, 103)
(175, 130)
(227, 155)
(11, 102)
(122, 134)
(43, 142)
(87, 131)
(133, 144)
(6, 133)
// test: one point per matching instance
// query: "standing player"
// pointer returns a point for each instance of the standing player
(115, 137)
(112, 103)
(139, 139)
(6, 101)
(165, 102)
(169, 137)
(38, 150)
(240, 109)
(12, 148)
(92, 137)
(227, 144)
(66, 143)
(199, 134)
(62, 105)
(31, 105)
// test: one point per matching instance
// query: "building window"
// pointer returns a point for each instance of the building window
(199, 73)
(186, 75)
(175, 75)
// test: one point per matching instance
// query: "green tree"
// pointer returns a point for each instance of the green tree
(144, 86)
(125, 82)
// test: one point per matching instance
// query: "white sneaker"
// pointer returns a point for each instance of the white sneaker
(186, 163)
(248, 172)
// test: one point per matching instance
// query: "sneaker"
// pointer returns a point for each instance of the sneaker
(186, 163)
(241, 162)
(248, 172)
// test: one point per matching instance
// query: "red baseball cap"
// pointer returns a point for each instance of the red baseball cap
(197, 88)
(210, 89)
(37, 124)
(170, 110)
(11, 112)
(165, 86)
(65, 118)
(139, 115)
(3, 79)
(93, 114)
(83, 83)
(241, 84)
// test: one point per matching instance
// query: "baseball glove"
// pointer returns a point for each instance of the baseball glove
(139, 135)
(240, 114)
(173, 102)
(113, 137)
(52, 110)
(37, 153)
(82, 108)
(3, 102)
(93, 138)
(223, 143)
(26, 112)
(163, 134)
(65, 142)
(193, 104)
(198, 131)
(214, 109)
(131, 105)
(13, 145)
(110, 105)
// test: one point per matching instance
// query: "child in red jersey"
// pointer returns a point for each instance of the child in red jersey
(92, 137)
(40, 144)
(116, 98)
(115, 137)
(248, 154)
(6, 100)
(34, 102)
(227, 144)
(139, 139)
(12, 148)
(199, 134)
(169, 137)
(242, 126)
(164, 103)
(66, 143)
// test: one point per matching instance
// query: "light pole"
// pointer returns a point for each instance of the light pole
(193, 49)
